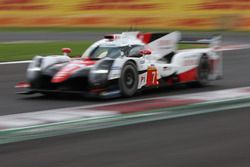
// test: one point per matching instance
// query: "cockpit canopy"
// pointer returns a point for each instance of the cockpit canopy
(100, 52)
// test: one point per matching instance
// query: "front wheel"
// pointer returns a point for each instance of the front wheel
(128, 81)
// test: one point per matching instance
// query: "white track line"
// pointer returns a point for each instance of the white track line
(29, 41)
(15, 62)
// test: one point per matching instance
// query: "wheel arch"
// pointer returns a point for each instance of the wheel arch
(132, 61)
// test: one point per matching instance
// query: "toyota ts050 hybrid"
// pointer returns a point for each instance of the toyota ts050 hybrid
(122, 64)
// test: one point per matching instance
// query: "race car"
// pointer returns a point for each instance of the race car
(122, 64)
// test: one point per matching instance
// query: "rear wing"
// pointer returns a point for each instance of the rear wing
(164, 44)
(213, 42)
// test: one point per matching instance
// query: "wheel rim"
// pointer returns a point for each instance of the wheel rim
(129, 78)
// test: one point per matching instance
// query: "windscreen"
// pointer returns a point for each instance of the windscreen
(102, 52)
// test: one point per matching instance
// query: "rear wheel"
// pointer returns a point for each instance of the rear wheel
(203, 71)
(128, 81)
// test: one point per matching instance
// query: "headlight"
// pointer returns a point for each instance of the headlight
(99, 73)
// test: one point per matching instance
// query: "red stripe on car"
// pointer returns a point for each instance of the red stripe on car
(64, 74)
(70, 69)
(190, 75)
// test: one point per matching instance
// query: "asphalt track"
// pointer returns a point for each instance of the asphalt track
(236, 70)
(216, 139)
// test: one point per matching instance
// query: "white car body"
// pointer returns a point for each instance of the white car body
(183, 60)
(159, 61)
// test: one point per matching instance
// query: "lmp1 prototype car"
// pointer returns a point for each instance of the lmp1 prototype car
(122, 64)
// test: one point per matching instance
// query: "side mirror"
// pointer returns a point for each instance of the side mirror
(145, 52)
(66, 51)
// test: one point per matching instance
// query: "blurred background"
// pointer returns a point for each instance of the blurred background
(163, 14)
(42, 27)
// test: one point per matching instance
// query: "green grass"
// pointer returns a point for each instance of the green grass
(26, 51)
(191, 46)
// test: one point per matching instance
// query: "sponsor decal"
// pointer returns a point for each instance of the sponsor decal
(143, 79)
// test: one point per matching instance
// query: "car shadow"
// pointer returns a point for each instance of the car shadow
(146, 93)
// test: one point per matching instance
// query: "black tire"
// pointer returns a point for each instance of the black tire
(203, 71)
(128, 81)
